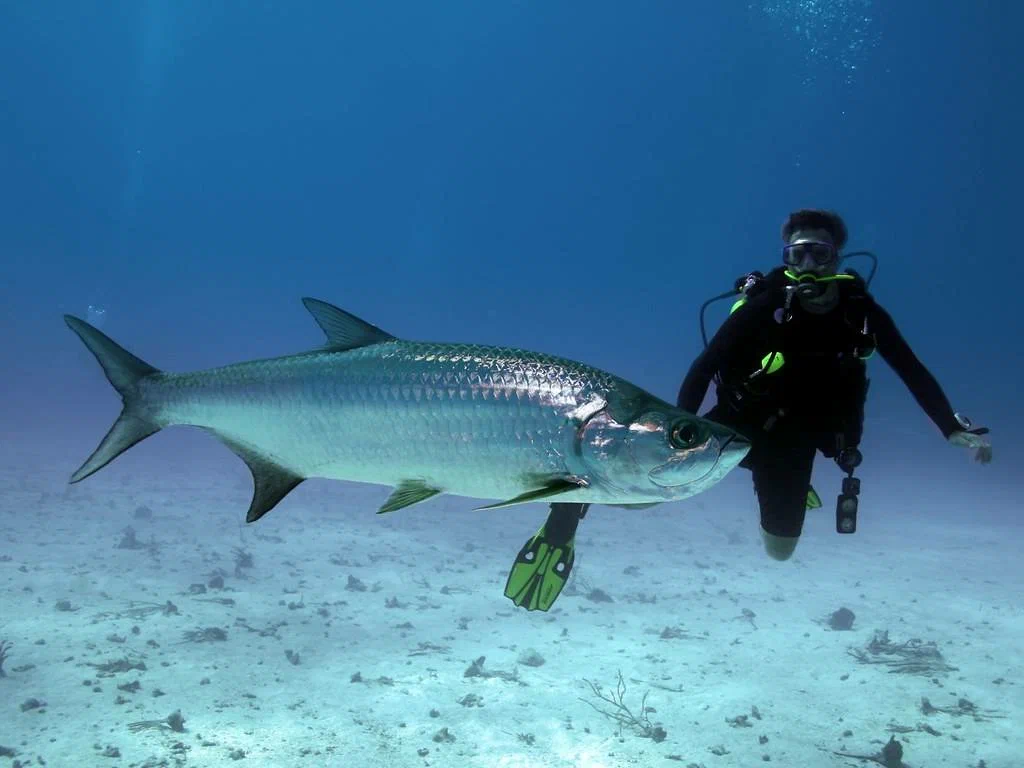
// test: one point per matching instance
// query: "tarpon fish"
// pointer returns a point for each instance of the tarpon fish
(425, 418)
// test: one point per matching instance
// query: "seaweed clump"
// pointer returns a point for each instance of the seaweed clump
(173, 721)
(205, 635)
(5, 648)
(890, 756)
(914, 657)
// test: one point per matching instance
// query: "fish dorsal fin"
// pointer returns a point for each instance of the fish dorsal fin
(344, 330)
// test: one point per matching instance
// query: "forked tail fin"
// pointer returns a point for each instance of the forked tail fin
(124, 371)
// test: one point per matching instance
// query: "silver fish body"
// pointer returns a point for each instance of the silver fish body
(428, 418)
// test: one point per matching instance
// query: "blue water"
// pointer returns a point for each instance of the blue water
(571, 178)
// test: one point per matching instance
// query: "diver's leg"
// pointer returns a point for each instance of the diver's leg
(779, 547)
(563, 518)
(782, 474)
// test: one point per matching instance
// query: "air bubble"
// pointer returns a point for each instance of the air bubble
(835, 34)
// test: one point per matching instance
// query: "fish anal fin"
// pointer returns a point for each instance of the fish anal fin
(549, 491)
(343, 329)
(271, 482)
(407, 493)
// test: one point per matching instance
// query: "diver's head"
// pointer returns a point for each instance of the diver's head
(812, 241)
(661, 453)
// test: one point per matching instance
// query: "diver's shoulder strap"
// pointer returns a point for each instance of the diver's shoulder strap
(776, 278)
(756, 283)
(855, 285)
(856, 302)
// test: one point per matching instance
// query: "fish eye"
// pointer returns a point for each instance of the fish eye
(684, 435)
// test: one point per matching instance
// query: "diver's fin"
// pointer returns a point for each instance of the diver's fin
(539, 573)
(543, 565)
(271, 482)
(407, 493)
(124, 371)
(813, 499)
(552, 489)
(344, 330)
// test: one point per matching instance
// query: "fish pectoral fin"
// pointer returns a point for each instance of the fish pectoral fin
(271, 482)
(344, 330)
(407, 493)
(551, 490)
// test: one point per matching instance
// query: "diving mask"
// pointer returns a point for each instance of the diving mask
(809, 255)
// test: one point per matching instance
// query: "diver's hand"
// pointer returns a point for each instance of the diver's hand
(974, 440)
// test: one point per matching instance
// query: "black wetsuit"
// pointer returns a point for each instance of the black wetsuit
(815, 400)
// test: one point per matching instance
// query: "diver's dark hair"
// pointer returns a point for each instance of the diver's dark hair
(812, 218)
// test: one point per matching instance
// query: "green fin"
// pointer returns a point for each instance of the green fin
(539, 573)
(124, 371)
(407, 493)
(543, 565)
(813, 499)
(271, 482)
(344, 330)
(553, 488)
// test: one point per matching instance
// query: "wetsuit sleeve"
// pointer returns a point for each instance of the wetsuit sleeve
(901, 358)
(735, 330)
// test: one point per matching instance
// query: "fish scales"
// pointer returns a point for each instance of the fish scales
(472, 419)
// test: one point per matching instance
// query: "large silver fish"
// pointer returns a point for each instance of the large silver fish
(426, 418)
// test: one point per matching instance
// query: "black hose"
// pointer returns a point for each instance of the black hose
(703, 308)
(874, 264)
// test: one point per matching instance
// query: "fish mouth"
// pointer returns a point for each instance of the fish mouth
(729, 449)
(734, 448)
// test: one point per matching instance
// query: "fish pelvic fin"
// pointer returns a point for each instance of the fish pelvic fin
(407, 493)
(343, 329)
(124, 371)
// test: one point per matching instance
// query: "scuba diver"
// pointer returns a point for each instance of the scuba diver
(790, 363)
(790, 370)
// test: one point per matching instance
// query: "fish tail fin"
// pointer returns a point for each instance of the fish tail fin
(124, 371)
